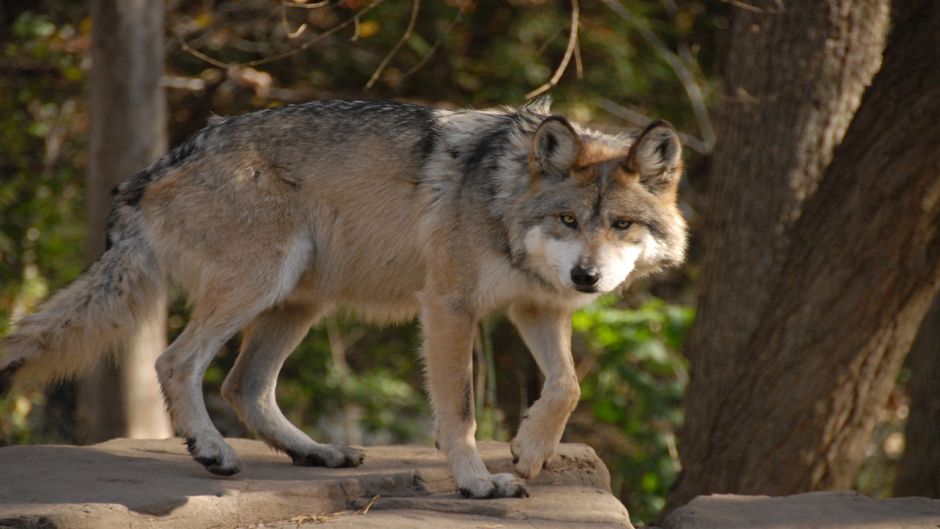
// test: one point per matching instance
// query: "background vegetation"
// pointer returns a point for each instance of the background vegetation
(360, 384)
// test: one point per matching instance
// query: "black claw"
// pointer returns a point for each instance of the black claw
(314, 459)
(521, 492)
(306, 460)
(515, 459)
(354, 460)
(467, 493)
(214, 465)
(191, 445)
(219, 470)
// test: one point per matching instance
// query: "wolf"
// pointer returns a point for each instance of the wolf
(271, 220)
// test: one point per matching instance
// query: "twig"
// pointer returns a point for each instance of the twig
(415, 6)
(578, 67)
(301, 5)
(643, 120)
(290, 34)
(434, 47)
(365, 510)
(692, 89)
(202, 56)
(754, 9)
(549, 41)
(569, 51)
(250, 64)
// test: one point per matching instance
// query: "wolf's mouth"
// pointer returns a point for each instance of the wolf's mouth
(586, 289)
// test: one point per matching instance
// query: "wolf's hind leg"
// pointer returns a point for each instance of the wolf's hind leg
(249, 386)
(181, 370)
(547, 333)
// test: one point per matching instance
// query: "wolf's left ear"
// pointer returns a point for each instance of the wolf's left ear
(555, 148)
(656, 156)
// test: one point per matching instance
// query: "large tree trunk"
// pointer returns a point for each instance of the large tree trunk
(809, 305)
(919, 470)
(128, 132)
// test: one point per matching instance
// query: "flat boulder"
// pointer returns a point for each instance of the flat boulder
(155, 484)
(813, 510)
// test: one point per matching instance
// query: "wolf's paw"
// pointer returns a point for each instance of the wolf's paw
(493, 486)
(331, 456)
(214, 454)
(529, 456)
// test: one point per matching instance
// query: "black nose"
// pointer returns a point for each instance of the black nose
(584, 277)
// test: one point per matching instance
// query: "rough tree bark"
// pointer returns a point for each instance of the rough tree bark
(811, 297)
(128, 131)
(919, 470)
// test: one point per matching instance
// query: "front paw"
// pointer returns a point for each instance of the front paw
(212, 452)
(331, 456)
(529, 455)
(493, 486)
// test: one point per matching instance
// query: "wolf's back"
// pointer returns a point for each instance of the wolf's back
(88, 318)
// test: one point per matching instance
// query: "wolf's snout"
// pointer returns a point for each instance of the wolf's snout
(585, 278)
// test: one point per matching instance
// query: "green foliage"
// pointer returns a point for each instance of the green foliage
(637, 386)
(361, 382)
(41, 187)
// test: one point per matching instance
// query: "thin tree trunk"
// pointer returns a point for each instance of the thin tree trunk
(789, 370)
(919, 470)
(128, 131)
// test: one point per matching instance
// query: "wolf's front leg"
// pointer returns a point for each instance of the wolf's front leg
(547, 333)
(448, 340)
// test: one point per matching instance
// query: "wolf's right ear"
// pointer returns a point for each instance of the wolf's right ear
(555, 148)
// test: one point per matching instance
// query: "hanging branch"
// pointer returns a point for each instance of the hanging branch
(415, 6)
(563, 65)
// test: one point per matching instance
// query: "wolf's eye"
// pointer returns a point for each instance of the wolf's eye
(568, 220)
(622, 224)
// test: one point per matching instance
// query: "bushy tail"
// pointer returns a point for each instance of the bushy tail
(87, 319)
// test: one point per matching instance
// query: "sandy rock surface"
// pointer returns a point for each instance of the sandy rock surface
(814, 510)
(155, 484)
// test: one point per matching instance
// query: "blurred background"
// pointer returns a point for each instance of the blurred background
(612, 64)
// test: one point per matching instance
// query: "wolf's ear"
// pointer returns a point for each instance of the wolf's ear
(555, 148)
(656, 156)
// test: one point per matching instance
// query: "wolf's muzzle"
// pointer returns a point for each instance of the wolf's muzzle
(585, 278)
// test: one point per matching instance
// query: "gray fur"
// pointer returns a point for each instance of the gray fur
(270, 220)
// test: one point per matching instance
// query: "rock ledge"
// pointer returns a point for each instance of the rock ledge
(154, 484)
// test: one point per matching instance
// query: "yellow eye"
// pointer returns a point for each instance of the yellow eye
(622, 224)
(568, 220)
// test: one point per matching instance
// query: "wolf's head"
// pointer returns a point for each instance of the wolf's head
(600, 209)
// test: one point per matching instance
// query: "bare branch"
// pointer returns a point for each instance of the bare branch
(312, 5)
(569, 51)
(250, 64)
(415, 6)
(578, 66)
(641, 119)
(754, 9)
(202, 56)
(689, 82)
(434, 47)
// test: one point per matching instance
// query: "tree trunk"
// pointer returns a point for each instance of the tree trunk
(810, 300)
(128, 132)
(919, 470)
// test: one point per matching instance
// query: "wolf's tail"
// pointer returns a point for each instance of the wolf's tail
(121, 291)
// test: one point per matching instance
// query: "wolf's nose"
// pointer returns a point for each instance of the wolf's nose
(585, 277)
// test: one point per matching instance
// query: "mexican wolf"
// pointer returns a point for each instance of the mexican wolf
(273, 219)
